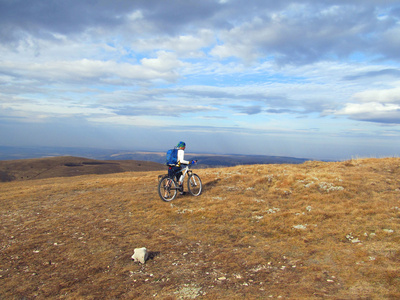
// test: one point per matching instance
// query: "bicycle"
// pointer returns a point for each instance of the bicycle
(168, 187)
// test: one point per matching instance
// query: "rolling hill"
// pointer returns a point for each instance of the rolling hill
(206, 160)
(211, 160)
(291, 231)
(65, 166)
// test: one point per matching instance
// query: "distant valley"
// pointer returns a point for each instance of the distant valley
(41, 162)
(205, 160)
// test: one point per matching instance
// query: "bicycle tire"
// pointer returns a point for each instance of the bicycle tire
(167, 189)
(195, 187)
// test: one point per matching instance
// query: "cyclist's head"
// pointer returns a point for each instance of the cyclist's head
(181, 145)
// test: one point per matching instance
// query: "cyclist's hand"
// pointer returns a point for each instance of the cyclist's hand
(193, 162)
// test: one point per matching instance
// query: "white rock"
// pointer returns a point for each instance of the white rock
(140, 255)
(222, 278)
(301, 227)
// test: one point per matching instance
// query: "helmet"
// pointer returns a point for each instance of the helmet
(181, 145)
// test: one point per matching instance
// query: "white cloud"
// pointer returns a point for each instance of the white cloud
(369, 108)
(163, 67)
(372, 112)
(183, 45)
(383, 96)
(35, 111)
(135, 16)
(381, 106)
(165, 62)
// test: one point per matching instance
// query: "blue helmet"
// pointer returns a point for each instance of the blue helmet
(181, 145)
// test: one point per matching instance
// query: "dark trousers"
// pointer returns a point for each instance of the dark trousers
(175, 172)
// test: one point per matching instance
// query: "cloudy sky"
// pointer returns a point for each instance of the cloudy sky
(316, 79)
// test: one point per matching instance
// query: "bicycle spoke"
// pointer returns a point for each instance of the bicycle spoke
(194, 185)
(167, 189)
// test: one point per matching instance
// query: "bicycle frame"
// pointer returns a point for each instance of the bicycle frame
(185, 171)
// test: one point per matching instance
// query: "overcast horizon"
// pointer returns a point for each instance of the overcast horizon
(313, 79)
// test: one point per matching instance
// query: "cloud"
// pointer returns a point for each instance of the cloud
(384, 96)
(248, 110)
(288, 31)
(374, 105)
(372, 112)
(45, 18)
(388, 72)
(161, 110)
(298, 34)
(186, 46)
(304, 33)
(162, 67)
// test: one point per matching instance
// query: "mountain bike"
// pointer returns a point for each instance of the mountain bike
(168, 187)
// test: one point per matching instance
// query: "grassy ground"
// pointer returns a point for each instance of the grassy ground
(315, 230)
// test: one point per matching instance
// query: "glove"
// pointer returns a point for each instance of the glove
(193, 162)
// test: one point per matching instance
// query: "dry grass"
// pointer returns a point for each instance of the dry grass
(65, 166)
(314, 230)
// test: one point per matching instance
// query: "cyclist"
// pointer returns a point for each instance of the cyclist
(177, 170)
(170, 184)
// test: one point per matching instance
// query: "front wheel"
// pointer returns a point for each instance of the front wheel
(167, 189)
(194, 185)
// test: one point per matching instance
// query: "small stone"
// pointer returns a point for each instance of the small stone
(140, 255)
(222, 278)
(301, 227)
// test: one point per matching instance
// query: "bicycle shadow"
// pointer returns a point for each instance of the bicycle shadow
(211, 184)
(206, 187)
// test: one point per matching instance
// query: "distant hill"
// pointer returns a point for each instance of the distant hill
(205, 160)
(66, 166)
(212, 160)
(11, 153)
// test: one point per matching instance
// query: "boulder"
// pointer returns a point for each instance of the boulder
(140, 255)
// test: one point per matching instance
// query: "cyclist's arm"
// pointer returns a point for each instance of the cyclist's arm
(181, 157)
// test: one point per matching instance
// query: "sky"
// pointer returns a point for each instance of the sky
(310, 79)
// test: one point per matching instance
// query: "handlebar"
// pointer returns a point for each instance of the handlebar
(187, 166)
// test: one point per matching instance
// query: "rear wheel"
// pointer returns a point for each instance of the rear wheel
(167, 189)
(195, 186)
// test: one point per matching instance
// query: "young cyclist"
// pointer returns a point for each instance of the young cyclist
(177, 170)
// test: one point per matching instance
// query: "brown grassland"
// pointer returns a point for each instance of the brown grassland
(65, 166)
(315, 230)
